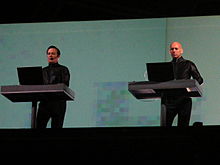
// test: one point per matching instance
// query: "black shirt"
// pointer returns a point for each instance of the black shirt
(55, 73)
(185, 69)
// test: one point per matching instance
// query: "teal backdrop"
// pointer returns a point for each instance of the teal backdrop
(103, 56)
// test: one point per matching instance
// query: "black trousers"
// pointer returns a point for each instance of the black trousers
(54, 110)
(180, 107)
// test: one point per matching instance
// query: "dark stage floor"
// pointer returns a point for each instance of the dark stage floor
(192, 145)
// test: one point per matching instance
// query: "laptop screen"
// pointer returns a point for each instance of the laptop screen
(32, 75)
(160, 72)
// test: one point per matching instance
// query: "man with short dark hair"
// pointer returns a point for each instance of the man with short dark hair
(54, 73)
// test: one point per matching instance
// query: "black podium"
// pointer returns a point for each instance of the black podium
(35, 93)
(160, 90)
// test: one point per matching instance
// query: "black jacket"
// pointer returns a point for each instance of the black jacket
(185, 69)
(56, 73)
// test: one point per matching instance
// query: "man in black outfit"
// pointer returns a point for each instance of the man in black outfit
(54, 73)
(181, 106)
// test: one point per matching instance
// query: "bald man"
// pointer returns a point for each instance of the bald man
(183, 69)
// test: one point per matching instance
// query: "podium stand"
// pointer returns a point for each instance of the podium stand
(35, 93)
(161, 90)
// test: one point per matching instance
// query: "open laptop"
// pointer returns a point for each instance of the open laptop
(160, 71)
(31, 75)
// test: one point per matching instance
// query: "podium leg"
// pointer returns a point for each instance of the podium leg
(33, 114)
(163, 110)
(163, 115)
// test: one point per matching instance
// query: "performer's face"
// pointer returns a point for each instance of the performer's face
(52, 56)
(176, 50)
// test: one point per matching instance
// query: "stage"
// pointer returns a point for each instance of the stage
(193, 145)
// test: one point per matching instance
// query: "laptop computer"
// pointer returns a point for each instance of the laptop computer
(31, 75)
(160, 71)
